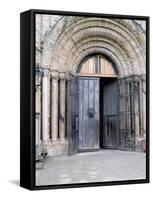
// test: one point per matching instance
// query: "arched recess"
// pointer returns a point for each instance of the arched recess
(97, 65)
(120, 39)
(98, 103)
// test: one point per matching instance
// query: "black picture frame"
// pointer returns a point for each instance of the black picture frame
(27, 99)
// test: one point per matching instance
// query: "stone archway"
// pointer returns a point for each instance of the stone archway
(72, 39)
(120, 40)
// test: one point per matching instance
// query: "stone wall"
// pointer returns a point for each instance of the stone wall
(62, 42)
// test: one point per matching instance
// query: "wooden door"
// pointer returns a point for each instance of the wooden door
(110, 105)
(72, 114)
(88, 113)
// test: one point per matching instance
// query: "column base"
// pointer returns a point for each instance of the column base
(140, 144)
(62, 140)
(38, 151)
(54, 141)
(58, 147)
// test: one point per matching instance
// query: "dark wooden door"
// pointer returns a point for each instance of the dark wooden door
(72, 114)
(88, 113)
(110, 122)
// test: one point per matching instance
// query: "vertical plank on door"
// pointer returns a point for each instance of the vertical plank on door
(80, 113)
(88, 124)
(97, 97)
(91, 105)
(85, 116)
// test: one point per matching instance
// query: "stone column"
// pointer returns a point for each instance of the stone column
(141, 107)
(144, 112)
(45, 110)
(38, 116)
(62, 107)
(144, 105)
(54, 106)
(136, 105)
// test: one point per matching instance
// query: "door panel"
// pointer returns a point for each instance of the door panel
(72, 114)
(110, 136)
(88, 113)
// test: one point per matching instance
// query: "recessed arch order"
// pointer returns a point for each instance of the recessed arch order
(119, 40)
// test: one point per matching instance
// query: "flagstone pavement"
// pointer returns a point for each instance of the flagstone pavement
(100, 166)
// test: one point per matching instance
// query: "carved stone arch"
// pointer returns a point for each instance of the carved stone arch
(103, 51)
(101, 41)
(87, 33)
(103, 48)
(120, 38)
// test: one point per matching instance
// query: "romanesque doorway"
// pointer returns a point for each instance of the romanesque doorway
(97, 91)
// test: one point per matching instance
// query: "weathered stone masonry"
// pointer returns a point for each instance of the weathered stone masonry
(61, 44)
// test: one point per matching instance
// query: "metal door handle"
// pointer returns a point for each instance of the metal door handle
(91, 112)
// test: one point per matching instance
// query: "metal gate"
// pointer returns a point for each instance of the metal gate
(88, 113)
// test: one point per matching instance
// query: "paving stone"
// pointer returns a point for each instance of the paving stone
(105, 165)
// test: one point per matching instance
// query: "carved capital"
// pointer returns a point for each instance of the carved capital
(54, 74)
(129, 79)
(62, 76)
(71, 75)
(143, 77)
(46, 73)
(135, 79)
